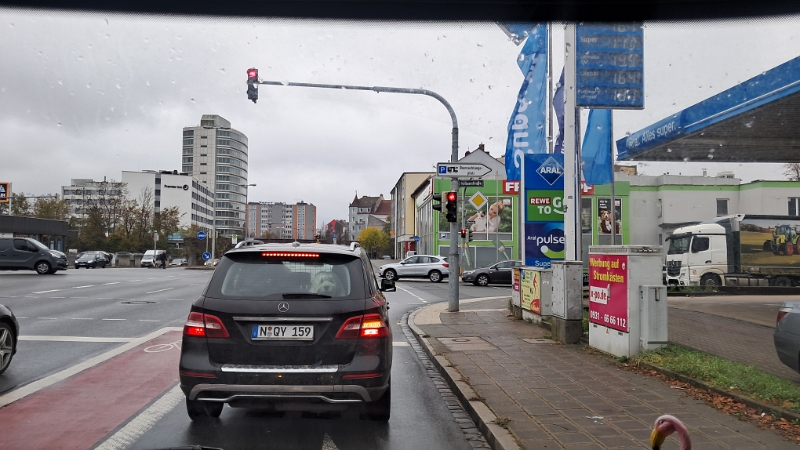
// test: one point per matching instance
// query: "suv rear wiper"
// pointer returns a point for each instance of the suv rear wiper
(290, 295)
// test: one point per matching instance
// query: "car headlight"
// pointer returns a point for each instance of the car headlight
(469, 272)
(58, 254)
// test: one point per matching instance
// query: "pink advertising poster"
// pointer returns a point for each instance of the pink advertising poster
(608, 291)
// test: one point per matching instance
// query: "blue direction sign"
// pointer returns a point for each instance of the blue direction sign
(416, 238)
(610, 66)
(201, 235)
(206, 256)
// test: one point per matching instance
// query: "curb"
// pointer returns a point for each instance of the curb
(498, 437)
(773, 410)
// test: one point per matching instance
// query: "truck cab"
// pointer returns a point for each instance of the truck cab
(697, 255)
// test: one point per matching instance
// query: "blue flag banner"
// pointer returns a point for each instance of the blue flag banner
(558, 107)
(527, 126)
(596, 149)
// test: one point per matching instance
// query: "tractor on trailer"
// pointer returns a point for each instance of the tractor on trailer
(738, 250)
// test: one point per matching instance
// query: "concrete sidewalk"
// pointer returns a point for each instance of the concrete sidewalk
(525, 390)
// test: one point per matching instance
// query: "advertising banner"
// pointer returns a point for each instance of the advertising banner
(515, 287)
(531, 290)
(543, 185)
(5, 192)
(486, 215)
(608, 291)
(604, 215)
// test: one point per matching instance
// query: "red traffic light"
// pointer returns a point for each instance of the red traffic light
(451, 196)
(252, 73)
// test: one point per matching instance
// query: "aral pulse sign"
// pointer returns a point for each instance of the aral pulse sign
(543, 178)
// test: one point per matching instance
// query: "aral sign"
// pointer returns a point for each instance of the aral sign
(543, 193)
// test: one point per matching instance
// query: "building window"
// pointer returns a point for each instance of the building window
(203, 173)
(188, 133)
(188, 151)
(660, 209)
(203, 154)
(722, 206)
(158, 192)
(203, 164)
(188, 142)
(157, 203)
(794, 206)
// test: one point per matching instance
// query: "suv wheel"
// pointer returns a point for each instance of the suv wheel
(42, 267)
(6, 346)
(380, 410)
(435, 276)
(390, 275)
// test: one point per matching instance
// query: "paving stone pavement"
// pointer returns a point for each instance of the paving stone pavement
(553, 396)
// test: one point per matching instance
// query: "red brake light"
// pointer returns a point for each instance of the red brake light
(205, 325)
(367, 326)
(445, 265)
(781, 313)
(290, 254)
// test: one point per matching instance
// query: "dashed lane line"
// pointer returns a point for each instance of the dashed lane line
(58, 297)
(114, 320)
(47, 292)
(47, 318)
(160, 290)
(38, 385)
(81, 287)
(81, 318)
(109, 284)
(79, 297)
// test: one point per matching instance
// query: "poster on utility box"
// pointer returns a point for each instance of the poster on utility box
(608, 291)
(543, 185)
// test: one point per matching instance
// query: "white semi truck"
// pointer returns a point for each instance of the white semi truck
(738, 250)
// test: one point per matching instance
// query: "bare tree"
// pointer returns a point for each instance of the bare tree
(792, 171)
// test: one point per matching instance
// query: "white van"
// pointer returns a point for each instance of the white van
(150, 258)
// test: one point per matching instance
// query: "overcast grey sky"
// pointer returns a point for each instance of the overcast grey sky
(90, 95)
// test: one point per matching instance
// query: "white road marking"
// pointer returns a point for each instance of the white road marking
(104, 298)
(133, 281)
(109, 284)
(133, 430)
(45, 292)
(20, 317)
(74, 339)
(81, 287)
(400, 344)
(47, 318)
(160, 290)
(412, 294)
(57, 297)
(327, 443)
(31, 388)
(79, 297)
(113, 319)
(149, 320)
(81, 318)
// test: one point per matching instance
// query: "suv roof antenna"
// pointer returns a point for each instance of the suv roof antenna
(354, 245)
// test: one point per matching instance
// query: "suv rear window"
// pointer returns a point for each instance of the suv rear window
(253, 276)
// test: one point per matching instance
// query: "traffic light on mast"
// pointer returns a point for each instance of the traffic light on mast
(437, 198)
(252, 84)
(452, 206)
(469, 235)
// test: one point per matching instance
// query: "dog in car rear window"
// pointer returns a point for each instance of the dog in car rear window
(326, 283)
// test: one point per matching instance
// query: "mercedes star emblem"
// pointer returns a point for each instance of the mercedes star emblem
(283, 307)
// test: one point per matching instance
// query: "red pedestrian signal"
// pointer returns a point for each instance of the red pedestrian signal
(252, 84)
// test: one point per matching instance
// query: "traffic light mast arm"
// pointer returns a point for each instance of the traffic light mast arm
(454, 183)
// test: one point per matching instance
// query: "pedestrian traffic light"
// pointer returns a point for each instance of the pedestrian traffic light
(252, 84)
(437, 198)
(451, 202)
(463, 233)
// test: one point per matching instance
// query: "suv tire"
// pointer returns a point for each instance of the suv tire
(435, 276)
(381, 409)
(7, 343)
(390, 275)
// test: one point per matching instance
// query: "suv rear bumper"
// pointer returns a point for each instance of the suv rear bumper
(332, 394)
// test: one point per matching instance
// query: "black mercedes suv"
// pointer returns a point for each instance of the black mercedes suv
(290, 327)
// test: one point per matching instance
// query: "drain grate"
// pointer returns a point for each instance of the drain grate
(137, 302)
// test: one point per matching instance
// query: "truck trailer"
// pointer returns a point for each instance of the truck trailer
(737, 250)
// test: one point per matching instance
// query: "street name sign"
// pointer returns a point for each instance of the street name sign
(471, 183)
(458, 170)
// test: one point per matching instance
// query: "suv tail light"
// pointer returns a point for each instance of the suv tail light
(205, 325)
(366, 326)
(445, 265)
(783, 311)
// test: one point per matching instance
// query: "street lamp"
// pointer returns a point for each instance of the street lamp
(254, 81)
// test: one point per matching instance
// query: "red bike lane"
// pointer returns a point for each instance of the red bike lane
(80, 411)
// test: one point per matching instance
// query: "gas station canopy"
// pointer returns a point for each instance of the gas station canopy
(755, 121)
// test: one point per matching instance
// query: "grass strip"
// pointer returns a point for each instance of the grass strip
(727, 375)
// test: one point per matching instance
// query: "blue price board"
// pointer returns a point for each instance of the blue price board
(610, 66)
(206, 256)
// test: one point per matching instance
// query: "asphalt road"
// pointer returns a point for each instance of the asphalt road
(70, 317)
(756, 309)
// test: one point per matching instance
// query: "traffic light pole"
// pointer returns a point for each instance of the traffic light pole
(453, 259)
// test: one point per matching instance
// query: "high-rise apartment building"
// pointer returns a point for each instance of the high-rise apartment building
(281, 220)
(216, 154)
(305, 220)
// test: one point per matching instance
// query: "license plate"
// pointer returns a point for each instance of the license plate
(283, 332)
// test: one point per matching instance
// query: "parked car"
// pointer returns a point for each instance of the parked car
(92, 260)
(287, 327)
(787, 335)
(497, 273)
(212, 262)
(30, 254)
(179, 262)
(435, 268)
(9, 333)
